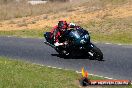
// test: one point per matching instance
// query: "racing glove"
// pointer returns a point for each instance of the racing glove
(58, 44)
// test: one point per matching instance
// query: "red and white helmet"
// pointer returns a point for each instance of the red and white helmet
(62, 25)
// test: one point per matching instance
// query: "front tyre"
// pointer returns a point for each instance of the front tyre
(96, 53)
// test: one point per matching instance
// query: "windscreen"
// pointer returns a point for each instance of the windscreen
(75, 34)
(80, 36)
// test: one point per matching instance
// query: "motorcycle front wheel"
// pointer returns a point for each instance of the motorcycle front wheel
(96, 53)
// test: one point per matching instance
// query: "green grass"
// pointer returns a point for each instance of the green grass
(111, 30)
(23, 33)
(123, 38)
(117, 37)
(34, 33)
(107, 30)
(19, 74)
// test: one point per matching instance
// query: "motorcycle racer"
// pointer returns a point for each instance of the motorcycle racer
(77, 39)
(57, 31)
(60, 29)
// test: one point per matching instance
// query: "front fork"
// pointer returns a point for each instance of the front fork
(90, 48)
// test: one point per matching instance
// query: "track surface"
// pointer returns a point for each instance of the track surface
(117, 64)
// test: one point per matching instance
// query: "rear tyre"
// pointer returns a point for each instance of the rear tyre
(48, 38)
(62, 51)
(65, 53)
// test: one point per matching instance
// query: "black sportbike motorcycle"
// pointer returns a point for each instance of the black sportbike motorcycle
(76, 43)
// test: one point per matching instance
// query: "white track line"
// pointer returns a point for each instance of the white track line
(97, 75)
(93, 42)
(75, 71)
(120, 44)
(108, 43)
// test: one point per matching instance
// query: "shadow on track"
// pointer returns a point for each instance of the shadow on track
(75, 57)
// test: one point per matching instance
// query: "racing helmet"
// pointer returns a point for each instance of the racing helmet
(62, 25)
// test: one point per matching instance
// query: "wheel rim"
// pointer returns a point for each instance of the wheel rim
(95, 55)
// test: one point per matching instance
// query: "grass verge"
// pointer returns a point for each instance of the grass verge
(111, 30)
(33, 33)
(119, 37)
(107, 30)
(18, 74)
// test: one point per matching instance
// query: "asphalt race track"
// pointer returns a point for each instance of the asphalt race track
(117, 58)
